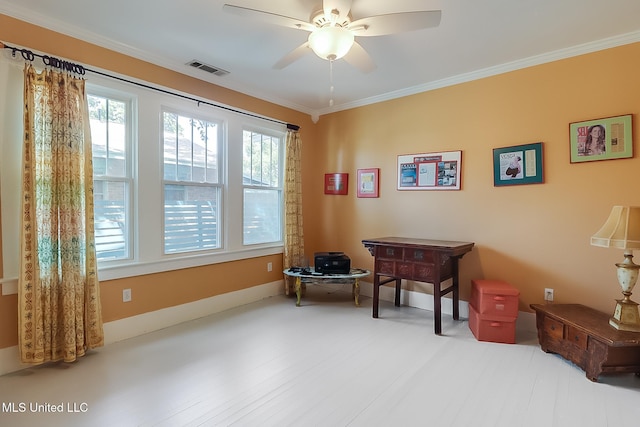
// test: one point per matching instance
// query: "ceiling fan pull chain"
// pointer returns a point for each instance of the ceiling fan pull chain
(330, 82)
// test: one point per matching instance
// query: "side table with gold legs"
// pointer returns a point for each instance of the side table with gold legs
(310, 276)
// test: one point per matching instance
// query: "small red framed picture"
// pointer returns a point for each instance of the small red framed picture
(336, 183)
(368, 182)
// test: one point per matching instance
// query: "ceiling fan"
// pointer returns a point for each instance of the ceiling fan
(332, 30)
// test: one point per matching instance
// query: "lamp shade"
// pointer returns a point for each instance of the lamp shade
(621, 230)
(331, 42)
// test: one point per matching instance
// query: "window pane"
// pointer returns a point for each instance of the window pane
(261, 161)
(190, 218)
(213, 171)
(111, 180)
(108, 134)
(185, 148)
(170, 138)
(190, 149)
(262, 216)
(110, 219)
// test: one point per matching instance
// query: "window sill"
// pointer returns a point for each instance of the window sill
(171, 262)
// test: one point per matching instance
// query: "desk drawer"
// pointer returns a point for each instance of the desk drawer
(389, 252)
(418, 255)
(553, 329)
(577, 337)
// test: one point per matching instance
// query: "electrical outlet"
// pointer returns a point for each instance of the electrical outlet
(548, 294)
(126, 295)
(269, 266)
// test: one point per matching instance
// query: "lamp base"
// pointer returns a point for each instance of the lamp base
(626, 316)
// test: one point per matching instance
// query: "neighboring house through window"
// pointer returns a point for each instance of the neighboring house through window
(110, 119)
(192, 183)
(262, 187)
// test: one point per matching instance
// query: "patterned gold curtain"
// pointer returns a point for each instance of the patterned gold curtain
(293, 235)
(59, 297)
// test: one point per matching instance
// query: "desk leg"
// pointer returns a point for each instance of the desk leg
(356, 292)
(437, 308)
(456, 290)
(398, 290)
(298, 290)
(376, 294)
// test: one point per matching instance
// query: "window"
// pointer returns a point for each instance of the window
(192, 183)
(112, 177)
(262, 185)
(176, 184)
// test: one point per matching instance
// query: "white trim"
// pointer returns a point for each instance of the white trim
(544, 58)
(524, 322)
(24, 14)
(130, 327)
(9, 286)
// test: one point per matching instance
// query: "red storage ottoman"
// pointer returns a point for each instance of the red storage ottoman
(493, 310)
(492, 328)
(494, 297)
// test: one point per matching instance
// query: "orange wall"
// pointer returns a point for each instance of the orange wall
(155, 291)
(533, 236)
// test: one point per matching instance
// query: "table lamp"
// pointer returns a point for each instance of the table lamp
(622, 231)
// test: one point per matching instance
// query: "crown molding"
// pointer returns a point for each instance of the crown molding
(544, 58)
(55, 25)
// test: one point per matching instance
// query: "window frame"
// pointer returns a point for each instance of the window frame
(279, 189)
(148, 257)
(130, 101)
(218, 185)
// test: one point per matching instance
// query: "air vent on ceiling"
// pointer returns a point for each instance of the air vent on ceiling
(208, 68)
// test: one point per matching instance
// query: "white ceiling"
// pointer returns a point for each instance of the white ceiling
(475, 38)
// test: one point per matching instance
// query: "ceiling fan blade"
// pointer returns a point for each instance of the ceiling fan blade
(359, 58)
(268, 17)
(342, 6)
(293, 56)
(392, 23)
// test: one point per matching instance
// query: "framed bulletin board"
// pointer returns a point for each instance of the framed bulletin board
(430, 171)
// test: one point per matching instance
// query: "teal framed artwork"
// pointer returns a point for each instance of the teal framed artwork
(517, 165)
(601, 139)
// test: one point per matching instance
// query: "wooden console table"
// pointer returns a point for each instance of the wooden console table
(583, 336)
(422, 260)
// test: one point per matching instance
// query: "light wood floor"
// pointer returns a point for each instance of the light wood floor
(324, 364)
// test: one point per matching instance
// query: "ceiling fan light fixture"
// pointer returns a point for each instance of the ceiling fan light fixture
(331, 42)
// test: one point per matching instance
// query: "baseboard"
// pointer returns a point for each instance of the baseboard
(526, 322)
(414, 299)
(130, 327)
(10, 360)
(153, 321)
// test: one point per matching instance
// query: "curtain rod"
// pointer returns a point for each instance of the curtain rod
(51, 61)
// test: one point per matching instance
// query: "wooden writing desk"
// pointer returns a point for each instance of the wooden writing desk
(422, 260)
